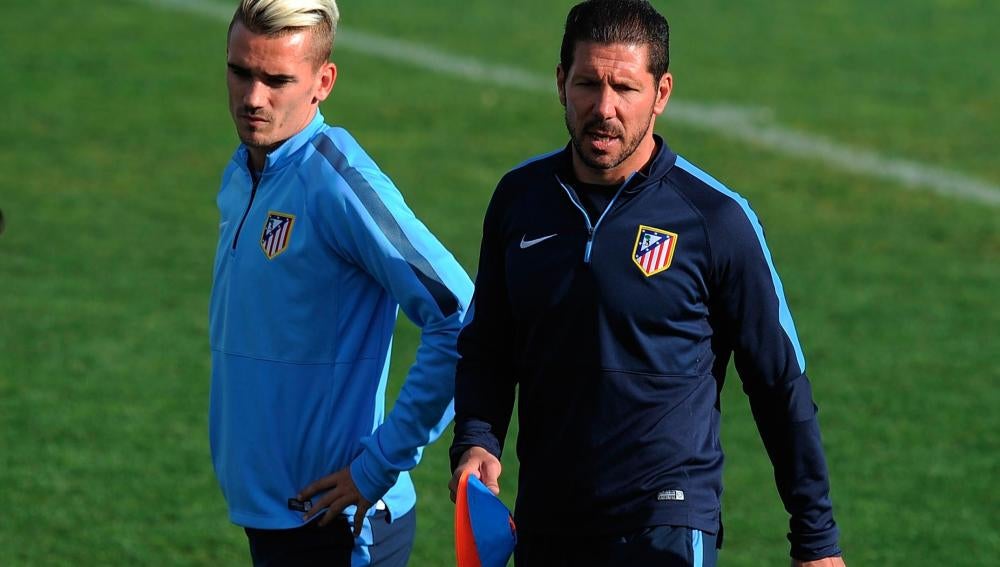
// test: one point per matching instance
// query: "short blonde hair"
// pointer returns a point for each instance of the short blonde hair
(280, 17)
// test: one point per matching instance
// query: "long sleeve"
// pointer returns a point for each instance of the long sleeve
(751, 310)
(381, 234)
(485, 378)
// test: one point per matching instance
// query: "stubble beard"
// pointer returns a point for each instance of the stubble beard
(257, 141)
(629, 144)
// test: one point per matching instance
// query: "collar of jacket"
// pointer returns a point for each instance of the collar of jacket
(284, 154)
(658, 168)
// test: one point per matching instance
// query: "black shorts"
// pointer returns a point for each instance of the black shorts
(334, 544)
(663, 546)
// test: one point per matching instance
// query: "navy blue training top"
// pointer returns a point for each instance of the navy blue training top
(616, 335)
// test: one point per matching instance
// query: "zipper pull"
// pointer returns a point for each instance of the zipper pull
(590, 245)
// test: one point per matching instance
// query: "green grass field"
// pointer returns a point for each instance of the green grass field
(115, 130)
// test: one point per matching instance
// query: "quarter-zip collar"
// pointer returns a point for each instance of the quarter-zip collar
(286, 152)
(274, 161)
(637, 181)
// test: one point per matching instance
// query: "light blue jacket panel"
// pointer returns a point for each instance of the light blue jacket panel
(312, 264)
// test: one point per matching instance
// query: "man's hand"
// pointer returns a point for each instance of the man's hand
(341, 493)
(481, 464)
(825, 562)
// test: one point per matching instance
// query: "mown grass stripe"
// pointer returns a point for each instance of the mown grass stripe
(731, 122)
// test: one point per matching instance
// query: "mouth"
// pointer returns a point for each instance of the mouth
(600, 140)
(253, 121)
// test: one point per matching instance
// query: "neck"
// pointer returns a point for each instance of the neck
(255, 159)
(257, 155)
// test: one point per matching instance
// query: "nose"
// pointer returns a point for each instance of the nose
(604, 106)
(255, 95)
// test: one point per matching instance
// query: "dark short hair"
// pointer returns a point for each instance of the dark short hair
(632, 22)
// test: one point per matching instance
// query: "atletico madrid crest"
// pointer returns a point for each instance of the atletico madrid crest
(277, 232)
(654, 249)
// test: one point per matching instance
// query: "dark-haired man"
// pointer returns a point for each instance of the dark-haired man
(616, 280)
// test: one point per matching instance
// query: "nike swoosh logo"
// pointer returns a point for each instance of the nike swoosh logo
(530, 243)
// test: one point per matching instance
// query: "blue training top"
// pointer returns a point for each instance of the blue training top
(312, 263)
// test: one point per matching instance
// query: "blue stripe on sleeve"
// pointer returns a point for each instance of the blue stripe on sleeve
(446, 301)
(784, 315)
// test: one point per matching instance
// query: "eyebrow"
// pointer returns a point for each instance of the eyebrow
(614, 80)
(266, 76)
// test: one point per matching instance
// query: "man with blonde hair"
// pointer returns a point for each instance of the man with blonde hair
(317, 252)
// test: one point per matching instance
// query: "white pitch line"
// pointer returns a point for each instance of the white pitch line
(733, 122)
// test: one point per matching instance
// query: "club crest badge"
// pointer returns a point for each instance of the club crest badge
(654, 249)
(276, 234)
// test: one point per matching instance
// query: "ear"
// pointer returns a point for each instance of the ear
(663, 89)
(561, 83)
(325, 78)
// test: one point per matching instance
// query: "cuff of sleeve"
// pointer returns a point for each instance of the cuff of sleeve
(456, 452)
(372, 479)
(463, 442)
(810, 547)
